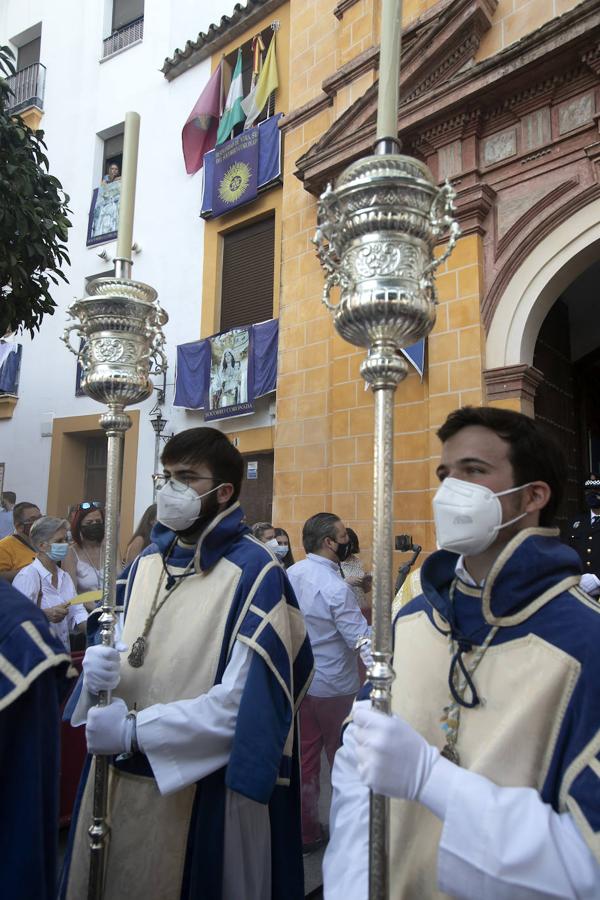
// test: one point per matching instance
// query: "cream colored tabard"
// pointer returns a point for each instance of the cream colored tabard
(181, 662)
(526, 685)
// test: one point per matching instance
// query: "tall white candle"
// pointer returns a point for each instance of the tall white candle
(128, 178)
(389, 69)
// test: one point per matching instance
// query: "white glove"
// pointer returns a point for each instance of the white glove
(108, 730)
(590, 583)
(393, 758)
(102, 668)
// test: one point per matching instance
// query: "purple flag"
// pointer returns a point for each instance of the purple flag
(235, 178)
(199, 133)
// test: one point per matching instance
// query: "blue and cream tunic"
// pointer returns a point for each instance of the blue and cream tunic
(537, 726)
(211, 806)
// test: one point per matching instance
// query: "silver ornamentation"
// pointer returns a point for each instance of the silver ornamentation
(376, 234)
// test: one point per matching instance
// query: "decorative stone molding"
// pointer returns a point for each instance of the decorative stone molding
(7, 405)
(472, 207)
(510, 382)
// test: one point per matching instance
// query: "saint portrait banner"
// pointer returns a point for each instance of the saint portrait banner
(103, 220)
(230, 385)
(235, 177)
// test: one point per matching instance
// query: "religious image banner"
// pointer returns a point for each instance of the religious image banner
(230, 386)
(269, 171)
(103, 219)
(204, 380)
(235, 179)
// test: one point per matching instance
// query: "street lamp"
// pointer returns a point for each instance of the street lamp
(159, 423)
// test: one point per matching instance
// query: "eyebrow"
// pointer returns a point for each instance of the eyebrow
(465, 461)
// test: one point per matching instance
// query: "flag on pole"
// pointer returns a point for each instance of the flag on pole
(199, 133)
(233, 112)
(268, 81)
(258, 48)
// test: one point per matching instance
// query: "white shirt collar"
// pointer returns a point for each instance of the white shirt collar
(45, 573)
(323, 561)
(462, 574)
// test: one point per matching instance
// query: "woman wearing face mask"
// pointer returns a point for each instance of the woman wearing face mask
(45, 583)
(355, 575)
(281, 547)
(83, 561)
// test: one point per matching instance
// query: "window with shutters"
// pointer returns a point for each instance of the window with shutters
(248, 272)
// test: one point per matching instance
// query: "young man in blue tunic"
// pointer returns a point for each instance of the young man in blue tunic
(206, 801)
(35, 674)
(491, 754)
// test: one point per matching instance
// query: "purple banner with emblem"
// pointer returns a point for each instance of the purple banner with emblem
(235, 178)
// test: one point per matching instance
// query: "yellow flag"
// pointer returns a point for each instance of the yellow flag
(268, 81)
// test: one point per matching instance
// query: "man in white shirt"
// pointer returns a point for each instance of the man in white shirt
(491, 754)
(335, 624)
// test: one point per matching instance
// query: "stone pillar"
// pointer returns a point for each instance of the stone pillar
(513, 387)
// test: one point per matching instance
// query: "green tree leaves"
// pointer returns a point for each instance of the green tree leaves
(33, 219)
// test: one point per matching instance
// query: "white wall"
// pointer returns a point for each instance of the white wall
(85, 97)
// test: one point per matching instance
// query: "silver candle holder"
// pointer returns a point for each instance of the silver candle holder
(375, 239)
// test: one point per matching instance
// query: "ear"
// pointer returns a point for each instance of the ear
(224, 494)
(538, 495)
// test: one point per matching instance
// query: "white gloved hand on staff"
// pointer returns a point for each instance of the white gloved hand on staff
(102, 667)
(108, 729)
(393, 758)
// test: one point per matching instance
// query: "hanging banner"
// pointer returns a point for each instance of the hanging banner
(415, 354)
(268, 167)
(103, 219)
(202, 372)
(230, 387)
(235, 179)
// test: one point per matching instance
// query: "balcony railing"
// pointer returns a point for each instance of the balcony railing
(27, 86)
(123, 37)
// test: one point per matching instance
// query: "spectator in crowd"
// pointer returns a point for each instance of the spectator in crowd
(354, 573)
(141, 536)
(584, 536)
(6, 517)
(45, 583)
(36, 676)
(283, 551)
(263, 531)
(84, 559)
(335, 625)
(16, 550)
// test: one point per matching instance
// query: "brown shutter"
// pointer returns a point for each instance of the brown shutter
(247, 281)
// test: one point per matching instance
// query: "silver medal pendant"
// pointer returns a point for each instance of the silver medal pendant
(450, 753)
(138, 649)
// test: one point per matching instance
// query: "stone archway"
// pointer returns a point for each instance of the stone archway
(549, 269)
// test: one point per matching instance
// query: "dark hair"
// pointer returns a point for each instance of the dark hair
(316, 529)
(354, 545)
(287, 560)
(212, 448)
(77, 518)
(10, 496)
(145, 526)
(233, 360)
(533, 453)
(259, 528)
(20, 508)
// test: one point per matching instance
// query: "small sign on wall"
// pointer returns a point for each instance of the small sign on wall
(252, 471)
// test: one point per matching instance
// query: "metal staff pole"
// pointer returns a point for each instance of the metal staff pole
(376, 232)
(120, 322)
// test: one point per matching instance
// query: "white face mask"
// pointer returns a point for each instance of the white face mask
(277, 548)
(468, 516)
(178, 505)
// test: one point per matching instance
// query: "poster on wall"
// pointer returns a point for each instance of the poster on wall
(225, 373)
(230, 386)
(103, 220)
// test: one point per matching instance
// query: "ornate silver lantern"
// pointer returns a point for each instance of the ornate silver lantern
(376, 233)
(119, 325)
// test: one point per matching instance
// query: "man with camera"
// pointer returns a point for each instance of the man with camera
(335, 625)
(491, 754)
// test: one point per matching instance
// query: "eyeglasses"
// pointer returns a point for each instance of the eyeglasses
(91, 504)
(179, 483)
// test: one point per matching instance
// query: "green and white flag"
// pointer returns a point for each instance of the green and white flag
(233, 112)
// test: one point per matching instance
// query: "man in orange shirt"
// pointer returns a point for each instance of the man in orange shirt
(15, 550)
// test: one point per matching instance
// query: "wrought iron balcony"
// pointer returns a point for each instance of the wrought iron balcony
(27, 86)
(123, 37)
